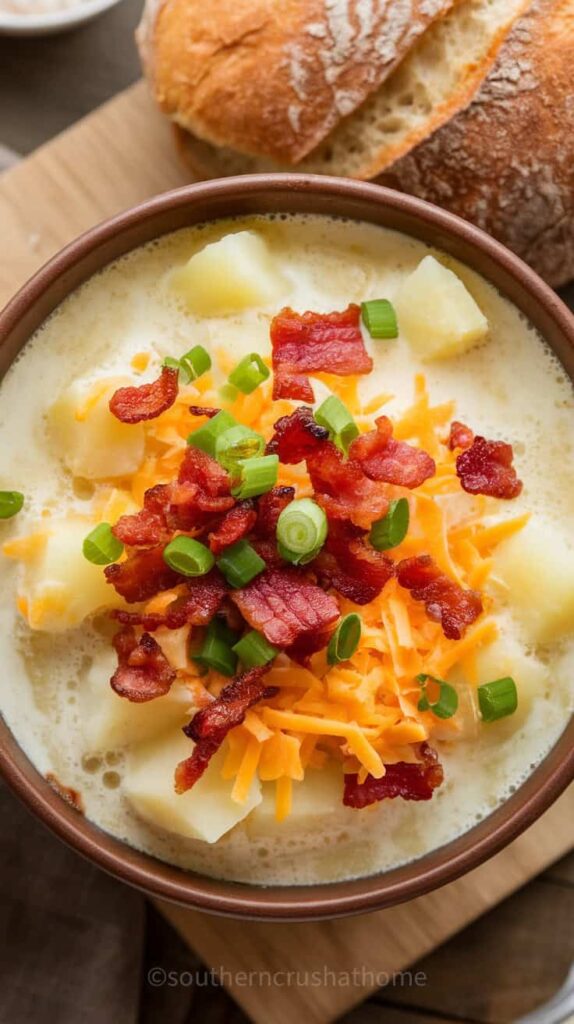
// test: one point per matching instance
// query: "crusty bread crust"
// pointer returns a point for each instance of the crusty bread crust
(272, 79)
(507, 161)
(439, 76)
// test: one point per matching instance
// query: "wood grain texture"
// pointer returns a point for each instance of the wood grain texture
(116, 157)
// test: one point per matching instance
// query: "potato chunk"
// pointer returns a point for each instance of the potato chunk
(507, 657)
(437, 314)
(537, 568)
(110, 721)
(60, 587)
(227, 276)
(318, 797)
(94, 444)
(205, 812)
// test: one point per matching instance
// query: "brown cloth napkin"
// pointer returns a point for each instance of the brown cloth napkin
(75, 944)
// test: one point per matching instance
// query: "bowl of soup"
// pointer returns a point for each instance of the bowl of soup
(286, 488)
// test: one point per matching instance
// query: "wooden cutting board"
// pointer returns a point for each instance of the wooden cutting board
(119, 156)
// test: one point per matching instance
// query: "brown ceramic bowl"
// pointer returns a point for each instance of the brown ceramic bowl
(288, 193)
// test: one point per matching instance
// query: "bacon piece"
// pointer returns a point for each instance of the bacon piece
(292, 385)
(313, 343)
(143, 672)
(147, 527)
(297, 436)
(342, 488)
(284, 606)
(202, 489)
(142, 575)
(310, 643)
(445, 601)
(235, 524)
(350, 565)
(486, 468)
(394, 462)
(202, 600)
(204, 410)
(134, 404)
(460, 436)
(266, 548)
(269, 508)
(72, 796)
(409, 781)
(209, 726)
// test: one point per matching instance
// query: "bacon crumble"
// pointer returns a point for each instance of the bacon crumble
(201, 601)
(416, 781)
(143, 672)
(204, 410)
(445, 601)
(285, 606)
(141, 576)
(209, 726)
(147, 527)
(315, 343)
(486, 468)
(269, 508)
(296, 436)
(233, 527)
(460, 436)
(343, 490)
(394, 462)
(350, 565)
(134, 404)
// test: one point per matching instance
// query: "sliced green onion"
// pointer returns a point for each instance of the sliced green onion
(217, 649)
(257, 476)
(240, 563)
(345, 639)
(253, 649)
(334, 415)
(195, 362)
(188, 557)
(389, 531)
(10, 503)
(235, 445)
(294, 558)
(101, 547)
(447, 702)
(249, 373)
(191, 365)
(379, 318)
(205, 437)
(497, 699)
(301, 530)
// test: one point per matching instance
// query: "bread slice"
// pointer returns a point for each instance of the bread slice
(272, 79)
(507, 161)
(438, 78)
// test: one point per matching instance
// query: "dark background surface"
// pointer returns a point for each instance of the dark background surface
(497, 969)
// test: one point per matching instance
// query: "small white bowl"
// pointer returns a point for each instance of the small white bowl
(50, 22)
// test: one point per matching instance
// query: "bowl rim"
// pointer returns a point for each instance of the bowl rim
(60, 18)
(319, 900)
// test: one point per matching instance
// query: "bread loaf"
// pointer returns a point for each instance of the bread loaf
(272, 79)
(507, 161)
(438, 77)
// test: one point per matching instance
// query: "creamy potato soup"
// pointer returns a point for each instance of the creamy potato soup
(287, 596)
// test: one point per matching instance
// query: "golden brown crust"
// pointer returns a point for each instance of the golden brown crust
(507, 161)
(273, 79)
